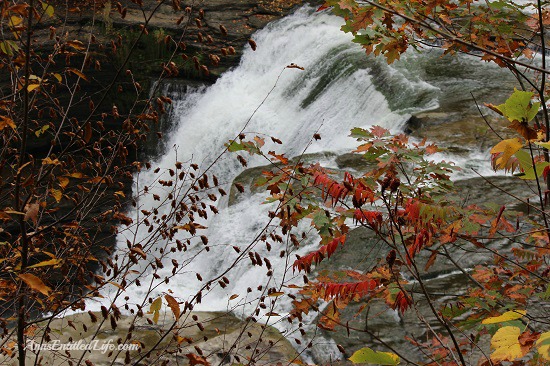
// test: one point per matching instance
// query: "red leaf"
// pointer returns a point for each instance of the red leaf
(402, 302)
(373, 218)
(329, 187)
(323, 7)
(378, 131)
(347, 290)
(305, 263)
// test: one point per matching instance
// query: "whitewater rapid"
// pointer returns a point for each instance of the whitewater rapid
(338, 89)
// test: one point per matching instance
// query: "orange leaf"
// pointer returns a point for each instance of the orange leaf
(196, 360)
(174, 306)
(6, 122)
(35, 283)
(77, 73)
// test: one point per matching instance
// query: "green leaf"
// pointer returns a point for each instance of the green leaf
(156, 305)
(48, 9)
(320, 219)
(360, 133)
(234, 146)
(519, 107)
(530, 173)
(546, 145)
(524, 159)
(41, 130)
(367, 355)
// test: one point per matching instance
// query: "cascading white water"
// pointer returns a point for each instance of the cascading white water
(331, 96)
(338, 90)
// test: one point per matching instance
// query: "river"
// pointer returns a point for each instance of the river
(339, 88)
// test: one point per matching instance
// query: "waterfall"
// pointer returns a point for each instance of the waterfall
(338, 89)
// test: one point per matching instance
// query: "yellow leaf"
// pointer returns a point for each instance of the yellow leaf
(31, 87)
(174, 306)
(57, 76)
(51, 262)
(76, 44)
(543, 345)
(507, 148)
(57, 194)
(505, 342)
(367, 355)
(35, 283)
(75, 175)
(156, 305)
(15, 21)
(507, 316)
(49, 161)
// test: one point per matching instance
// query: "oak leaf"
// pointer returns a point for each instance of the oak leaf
(508, 148)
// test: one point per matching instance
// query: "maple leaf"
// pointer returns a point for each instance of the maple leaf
(508, 148)
(524, 130)
(506, 344)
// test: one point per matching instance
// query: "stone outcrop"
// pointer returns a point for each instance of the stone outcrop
(224, 339)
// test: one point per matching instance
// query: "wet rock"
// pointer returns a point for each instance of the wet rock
(459, 132)
(249, 177)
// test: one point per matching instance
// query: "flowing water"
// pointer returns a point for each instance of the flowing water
(339, 89)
